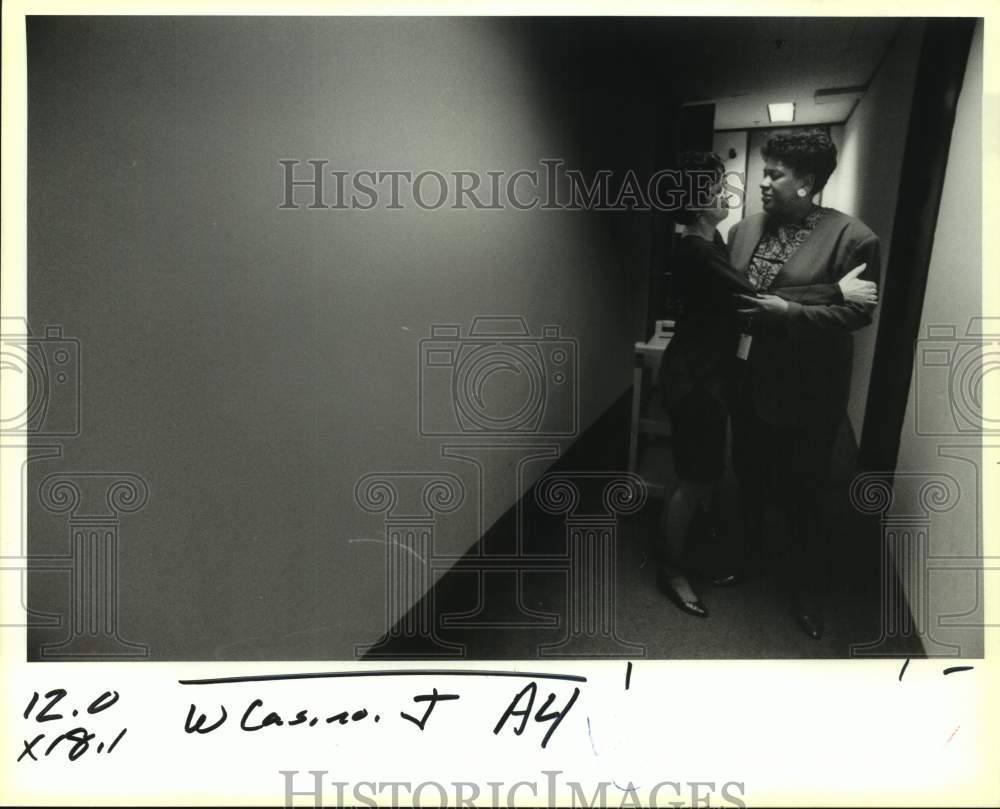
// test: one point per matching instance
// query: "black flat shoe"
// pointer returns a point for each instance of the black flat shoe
(812, 624)
(736, 576)
(730, 579)
(695, 607)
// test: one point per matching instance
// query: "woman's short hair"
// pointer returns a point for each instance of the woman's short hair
(807, 151)
(696, 165)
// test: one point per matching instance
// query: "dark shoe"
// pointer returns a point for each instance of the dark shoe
(695, 607)
(807, 603)
(811, 623)
(737, 575)
(731, 578)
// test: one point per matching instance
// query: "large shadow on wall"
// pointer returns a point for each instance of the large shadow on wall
(605, 85)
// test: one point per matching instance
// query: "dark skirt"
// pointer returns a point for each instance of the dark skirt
(778, 461)
(698, 434)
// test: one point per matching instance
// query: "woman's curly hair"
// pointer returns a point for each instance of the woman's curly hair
(695, 165)
(806, 152)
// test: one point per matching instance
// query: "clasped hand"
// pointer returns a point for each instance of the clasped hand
(853, 290)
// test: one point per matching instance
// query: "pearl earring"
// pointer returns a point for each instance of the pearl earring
(801, 192)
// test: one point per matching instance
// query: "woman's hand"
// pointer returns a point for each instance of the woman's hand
(763, 305)
(855, 290)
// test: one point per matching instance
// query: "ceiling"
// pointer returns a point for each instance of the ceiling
(742, 64)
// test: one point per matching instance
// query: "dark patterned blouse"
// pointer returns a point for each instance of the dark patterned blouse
(776, 246)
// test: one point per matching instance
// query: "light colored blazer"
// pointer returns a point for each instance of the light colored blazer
(799, 368)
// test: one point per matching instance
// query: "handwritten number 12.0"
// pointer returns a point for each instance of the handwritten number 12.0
(102, 703)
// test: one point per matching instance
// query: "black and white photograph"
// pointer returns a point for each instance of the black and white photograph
(489, 344)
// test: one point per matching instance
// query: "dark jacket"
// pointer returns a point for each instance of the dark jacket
(799, 370)
(701, 355)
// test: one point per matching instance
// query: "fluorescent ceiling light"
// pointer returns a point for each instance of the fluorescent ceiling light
(781, 113)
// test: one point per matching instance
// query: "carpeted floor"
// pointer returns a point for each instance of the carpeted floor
(532, 613)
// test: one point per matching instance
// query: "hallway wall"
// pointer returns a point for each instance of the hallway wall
(866, 182)
(254, 363)
(934, 446)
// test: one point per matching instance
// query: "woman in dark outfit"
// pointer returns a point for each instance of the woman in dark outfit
(700, 364)
(798, 375)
